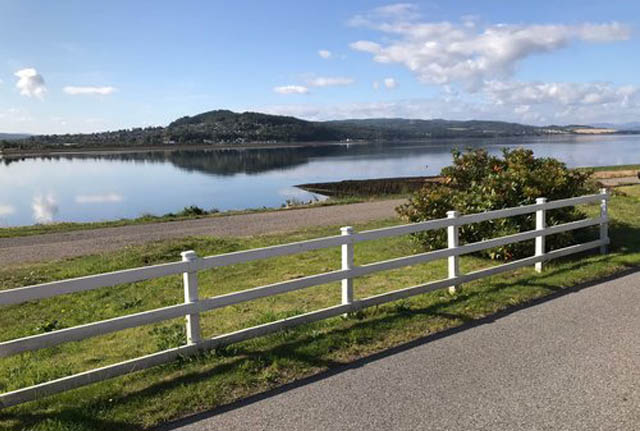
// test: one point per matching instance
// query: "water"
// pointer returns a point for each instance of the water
(93, 188)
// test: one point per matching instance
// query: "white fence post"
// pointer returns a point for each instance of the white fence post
(453, 242)
(604, 226)
(190, 280)
(541, 224)
(347, 263)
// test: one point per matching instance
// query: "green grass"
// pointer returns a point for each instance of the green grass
(157, 395)
(613, 168)
(632, 191)
(39, 229)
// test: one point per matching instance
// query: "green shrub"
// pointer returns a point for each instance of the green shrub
(191, 211)
(478, 182)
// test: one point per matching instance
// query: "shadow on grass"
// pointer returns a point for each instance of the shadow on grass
(84, 417)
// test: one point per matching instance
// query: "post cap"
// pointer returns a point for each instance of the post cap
(189, 255)
(603, 191)
(452, 214)
(541, 200)
(346, 230)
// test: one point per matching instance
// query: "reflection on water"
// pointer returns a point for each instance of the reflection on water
(101, 187)
(44, 208)
(98, 199)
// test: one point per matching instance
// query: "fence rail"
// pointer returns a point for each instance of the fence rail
(191, 264)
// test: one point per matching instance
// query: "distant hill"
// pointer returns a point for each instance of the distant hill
(400, 128)
(228, 126)
(223, 127)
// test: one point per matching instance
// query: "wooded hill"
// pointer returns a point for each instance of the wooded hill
(227, 127)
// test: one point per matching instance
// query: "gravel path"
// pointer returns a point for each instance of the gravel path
(612, 182)
(571, 363)
(60, 245)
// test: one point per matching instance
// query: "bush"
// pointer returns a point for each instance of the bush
(191, 211)
(478, 182)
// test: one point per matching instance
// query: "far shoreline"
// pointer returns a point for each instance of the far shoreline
(83, 151)
(13, 154)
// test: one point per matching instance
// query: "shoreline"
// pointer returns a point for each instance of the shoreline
(12, 154)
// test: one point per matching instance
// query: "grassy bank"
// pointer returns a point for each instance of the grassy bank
(150, 397)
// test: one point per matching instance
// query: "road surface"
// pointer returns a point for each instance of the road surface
(569, 363)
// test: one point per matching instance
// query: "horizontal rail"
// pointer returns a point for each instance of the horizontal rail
(273, 251)
(474, 218)
(91, 282)
(76, 333)
(406, 229)
(77, 380)
(81, 379)
(469, 248)
(475, 275)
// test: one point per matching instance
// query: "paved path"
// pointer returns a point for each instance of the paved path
(612, 182)
(60, 245)
(570, 363)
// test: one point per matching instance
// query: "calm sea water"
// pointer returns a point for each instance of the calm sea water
(92, 188)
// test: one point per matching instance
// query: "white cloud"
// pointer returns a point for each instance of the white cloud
(560, 93)
(44, 208)
(465, 53)
(474, 65)
(7, 209)
(570, 103)
(102, 91)
(99, 199)
(397, 11)
(291, 89)
(324, 53)
(366, 46)
(30, 83)
(329, 81)
(390, 83)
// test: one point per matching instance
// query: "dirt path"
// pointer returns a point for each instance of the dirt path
(68, 244)
(613, 182)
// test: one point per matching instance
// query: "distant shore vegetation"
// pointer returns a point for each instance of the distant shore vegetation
(222, 127)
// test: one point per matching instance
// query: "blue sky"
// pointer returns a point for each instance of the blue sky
(78, 66)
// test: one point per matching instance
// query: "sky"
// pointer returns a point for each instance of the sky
(83, 66)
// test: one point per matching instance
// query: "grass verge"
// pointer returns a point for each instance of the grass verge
(614, 168)
(164, 393)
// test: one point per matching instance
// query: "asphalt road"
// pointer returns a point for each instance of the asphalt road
(69, 244)
(569, 363)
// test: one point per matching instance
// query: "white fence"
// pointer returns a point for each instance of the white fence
(193, 304)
